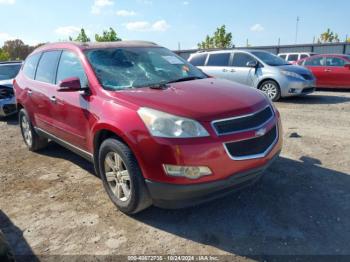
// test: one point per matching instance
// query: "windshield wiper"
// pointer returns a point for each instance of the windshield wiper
(183, 79)
(162, 85)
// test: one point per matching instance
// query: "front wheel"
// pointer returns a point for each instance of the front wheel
(271, 89)
(122, 177)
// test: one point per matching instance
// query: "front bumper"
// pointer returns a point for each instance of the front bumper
(297, 87)
(7, 106)
(180, 196)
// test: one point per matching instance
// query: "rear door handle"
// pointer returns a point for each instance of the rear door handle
(226, 70)
(53, 99)
(328, 70)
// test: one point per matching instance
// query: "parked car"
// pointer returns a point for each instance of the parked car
(8, 71)
(157, 129)
(331, 71)
(258, 69)
(294, 57)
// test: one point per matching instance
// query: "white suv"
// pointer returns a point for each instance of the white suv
(294, 57)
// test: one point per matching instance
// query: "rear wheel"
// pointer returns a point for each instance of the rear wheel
(271, 89)
(33, 141)
(122, 177)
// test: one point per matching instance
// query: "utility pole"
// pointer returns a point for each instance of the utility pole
(297, 30)
(179, 46)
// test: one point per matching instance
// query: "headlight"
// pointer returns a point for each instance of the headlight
(292, 74)
(161, 124)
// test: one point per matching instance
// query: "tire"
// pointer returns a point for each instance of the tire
(122, 177)
(33, 141)
(271, 89)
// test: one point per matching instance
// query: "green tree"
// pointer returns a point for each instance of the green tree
(220, 39)
(16, 49)
(82, 37)
(108, 36)
(4, 56)
(328, 37)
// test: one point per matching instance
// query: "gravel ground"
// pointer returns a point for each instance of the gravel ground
(51, 203)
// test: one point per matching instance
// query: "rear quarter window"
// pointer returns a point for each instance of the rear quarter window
(30, 65)
(198, 60)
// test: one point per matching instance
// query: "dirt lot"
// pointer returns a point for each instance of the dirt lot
(52, 203)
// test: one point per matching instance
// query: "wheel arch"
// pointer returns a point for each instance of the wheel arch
(101, 134)
(268, 79)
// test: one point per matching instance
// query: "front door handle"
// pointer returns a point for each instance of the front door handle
(53, 99)
(328, 70)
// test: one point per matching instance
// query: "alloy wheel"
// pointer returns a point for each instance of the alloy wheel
(26, 130)
(270, 89)
(118, 177)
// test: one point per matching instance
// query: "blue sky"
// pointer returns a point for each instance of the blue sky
(168, 22)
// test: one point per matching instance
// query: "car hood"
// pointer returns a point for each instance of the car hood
(295, 69)
(203, 100)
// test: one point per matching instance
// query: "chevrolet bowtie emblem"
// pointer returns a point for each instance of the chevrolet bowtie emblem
(260, 132)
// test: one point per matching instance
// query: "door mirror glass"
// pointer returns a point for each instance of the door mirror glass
(71, 84)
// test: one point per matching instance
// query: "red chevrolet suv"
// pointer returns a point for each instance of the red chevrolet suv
(158, 130)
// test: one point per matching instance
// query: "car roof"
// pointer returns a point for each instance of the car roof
(94, 45)
(296, 53)
(229, 51)
(333, 55)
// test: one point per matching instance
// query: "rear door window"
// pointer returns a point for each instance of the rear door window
(30, 65)
(198, 60)
(242, 59)
(70, 66)
(221, 59)
(293, 57)
(46, 71)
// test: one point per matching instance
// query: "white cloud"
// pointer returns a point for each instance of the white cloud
(257, 28)
(7, 2)
(98, 5)
(160, 25)
(145, 26)
(185, 3)
(67, 30)
(125, 13)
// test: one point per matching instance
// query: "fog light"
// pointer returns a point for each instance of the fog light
(191, 172)
(292, 90)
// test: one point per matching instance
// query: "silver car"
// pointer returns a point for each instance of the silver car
(8, 71)
(258, 69)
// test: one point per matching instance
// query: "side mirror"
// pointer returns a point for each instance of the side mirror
(347, 66)
(253, 64)
(71, 84)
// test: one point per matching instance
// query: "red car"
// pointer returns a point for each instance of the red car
(329, 70)
(157, 130)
